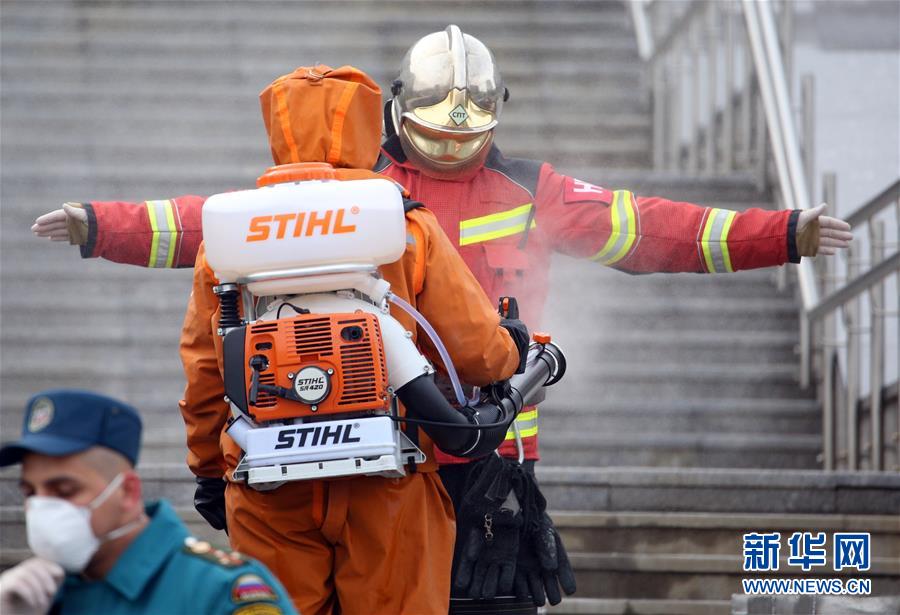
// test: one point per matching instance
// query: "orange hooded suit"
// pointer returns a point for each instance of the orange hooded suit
(368, 544)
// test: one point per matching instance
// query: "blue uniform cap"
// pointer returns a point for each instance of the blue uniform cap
(65, 421)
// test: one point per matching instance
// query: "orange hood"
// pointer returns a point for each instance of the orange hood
(323, 114)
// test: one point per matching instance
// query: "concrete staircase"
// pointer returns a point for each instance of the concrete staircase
(670, 376)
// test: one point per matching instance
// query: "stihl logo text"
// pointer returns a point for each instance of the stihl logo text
(310, 384)
(301, 224)
(305, 437)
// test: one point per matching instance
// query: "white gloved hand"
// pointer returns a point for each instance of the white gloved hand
(57, 224)
(831, 234)
(29, 588)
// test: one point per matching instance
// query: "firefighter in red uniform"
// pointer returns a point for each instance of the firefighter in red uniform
(507, 216)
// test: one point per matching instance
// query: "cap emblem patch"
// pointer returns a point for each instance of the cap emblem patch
(41, 414)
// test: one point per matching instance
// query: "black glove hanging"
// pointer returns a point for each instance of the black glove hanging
(209, 500)
(543, 564)
(488, 530)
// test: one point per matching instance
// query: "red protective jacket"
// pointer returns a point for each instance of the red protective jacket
(506, 221)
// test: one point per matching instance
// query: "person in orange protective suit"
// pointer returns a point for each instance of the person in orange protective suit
(361, 544)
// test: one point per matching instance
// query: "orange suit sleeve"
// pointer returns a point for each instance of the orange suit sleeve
(454, 303)
(203, 408)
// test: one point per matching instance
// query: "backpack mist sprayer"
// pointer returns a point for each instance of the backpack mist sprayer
(314, 364)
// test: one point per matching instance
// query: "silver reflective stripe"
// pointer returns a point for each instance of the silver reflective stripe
(410, 239)
(716, 239)
(493, 229)
(165, 234)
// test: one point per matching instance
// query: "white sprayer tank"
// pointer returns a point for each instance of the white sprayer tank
(303, 224)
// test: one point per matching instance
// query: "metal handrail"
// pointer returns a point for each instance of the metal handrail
(844, 410)
(641, 29)
(886, 197)
(766, 70)
(754, 108)
(854, 288)
(786, 147)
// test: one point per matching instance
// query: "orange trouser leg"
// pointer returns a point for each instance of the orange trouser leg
(280, 528)
(394, 551)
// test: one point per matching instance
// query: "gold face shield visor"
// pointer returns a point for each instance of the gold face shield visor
(457, 113)
(442, 146)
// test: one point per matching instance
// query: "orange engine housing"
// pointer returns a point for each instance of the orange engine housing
(348, 344)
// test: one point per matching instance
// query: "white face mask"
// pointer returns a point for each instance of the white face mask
(61, 531)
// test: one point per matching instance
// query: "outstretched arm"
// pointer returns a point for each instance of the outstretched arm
(164, 233)
(651, 234)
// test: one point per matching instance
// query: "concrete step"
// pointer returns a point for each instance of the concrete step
(737, 347)
(77, 101)
(720, 490)
(592, 447)
(161, 391)
(698, 577)
(259, 71)
(707, 416)
(702, 290)
(744, 438)
(618, 489)
(12, 522)
(159, 339)
(170, 290)
(655, 382)
(676, 381)
(709, 533)
(146, 183)
(233, 153)
(212, 48)
(306, 17)
(183, 117)
(844, 605)
(638, 606)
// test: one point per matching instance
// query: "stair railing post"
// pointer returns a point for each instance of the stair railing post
(786, 36)
(659, 113)
(807, 90)
(851, 322)
(712, 68)
(694, 131)
(762, 160)
(828, 345)
(728, 109)
(746, 134)
(876, 346)
(677, 99)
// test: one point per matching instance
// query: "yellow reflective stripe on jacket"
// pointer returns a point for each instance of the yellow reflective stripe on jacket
(624, 232)
(714, 240)
(494, 226)
(164, 237)
(528, 425)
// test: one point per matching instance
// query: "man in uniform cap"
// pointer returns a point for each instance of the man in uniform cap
(98, 548)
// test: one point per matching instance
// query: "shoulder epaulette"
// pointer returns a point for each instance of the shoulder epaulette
(204, 550)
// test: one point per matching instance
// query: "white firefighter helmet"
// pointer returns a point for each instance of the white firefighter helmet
(447, 100)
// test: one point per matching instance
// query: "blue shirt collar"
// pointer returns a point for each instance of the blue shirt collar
(148, 552)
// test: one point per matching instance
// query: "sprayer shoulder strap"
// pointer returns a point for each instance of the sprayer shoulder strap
(409, 205)
(416, 236)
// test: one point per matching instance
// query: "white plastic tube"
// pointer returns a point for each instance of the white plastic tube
(435, 338)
